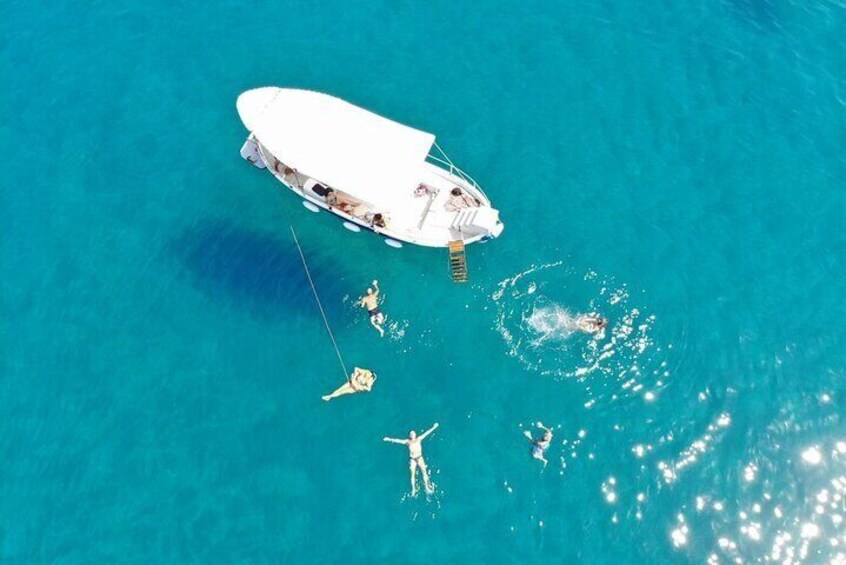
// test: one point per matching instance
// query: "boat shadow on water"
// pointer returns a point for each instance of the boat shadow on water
(258, 271)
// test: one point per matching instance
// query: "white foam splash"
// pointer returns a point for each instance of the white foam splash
(551, 323)
(541, 333)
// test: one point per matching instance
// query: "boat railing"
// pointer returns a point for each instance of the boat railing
(453, 170)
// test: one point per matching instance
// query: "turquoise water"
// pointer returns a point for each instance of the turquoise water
(676, 166)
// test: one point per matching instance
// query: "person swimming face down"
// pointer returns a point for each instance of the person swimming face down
(370, 301)
(591, 323)
(539, 446)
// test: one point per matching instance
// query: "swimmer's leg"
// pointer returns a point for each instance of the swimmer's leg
(412, 467)
(340, 391)
(374, 321)
(539, 456)
(425, 472)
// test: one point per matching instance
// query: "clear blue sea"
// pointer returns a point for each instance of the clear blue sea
(677, 166)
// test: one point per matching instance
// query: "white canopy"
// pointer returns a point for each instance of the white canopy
(349, 148)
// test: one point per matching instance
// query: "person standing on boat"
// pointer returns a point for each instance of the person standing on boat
(539, 446)
(361, 380)
(415, 457)
(371, 302)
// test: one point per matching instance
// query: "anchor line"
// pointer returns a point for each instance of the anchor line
(320, 305)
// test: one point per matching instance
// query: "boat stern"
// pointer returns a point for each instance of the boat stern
(482, 221)
(497, 229)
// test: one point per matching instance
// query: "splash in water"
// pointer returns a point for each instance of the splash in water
(537, 313)
(551, 323)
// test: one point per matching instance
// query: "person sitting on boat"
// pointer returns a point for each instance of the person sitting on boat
(415, 457)
(539, 446)
(324, 191)
(338, 200)
(361, 380)
(591, 323)
(459, 200)
(422, 190)
(378, 221)
(281, 167)
(371, 302)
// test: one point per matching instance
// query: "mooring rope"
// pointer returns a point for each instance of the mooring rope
(319, 305)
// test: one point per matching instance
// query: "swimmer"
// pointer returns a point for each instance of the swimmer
(591, 323)
(415, 457)
(539, 446)
(371, 302)
(361, 380)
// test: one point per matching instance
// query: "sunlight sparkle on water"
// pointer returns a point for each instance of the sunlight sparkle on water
(810, 530)
(812, 455)
(679, 534)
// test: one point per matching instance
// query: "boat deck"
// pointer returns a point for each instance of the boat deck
(421, 219)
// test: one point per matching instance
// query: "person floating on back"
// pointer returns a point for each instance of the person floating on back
(539, 446)
(415, 455)
(361, 380)
(371, 302)
(591, 323)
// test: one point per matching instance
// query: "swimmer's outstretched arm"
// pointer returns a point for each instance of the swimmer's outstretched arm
(544, 428)
(392, 440)
(429, 431)
(375, 287)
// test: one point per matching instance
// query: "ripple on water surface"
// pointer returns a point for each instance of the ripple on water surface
(536, 313)
(725, 488)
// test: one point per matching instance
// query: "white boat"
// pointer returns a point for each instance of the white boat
(374, 173)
